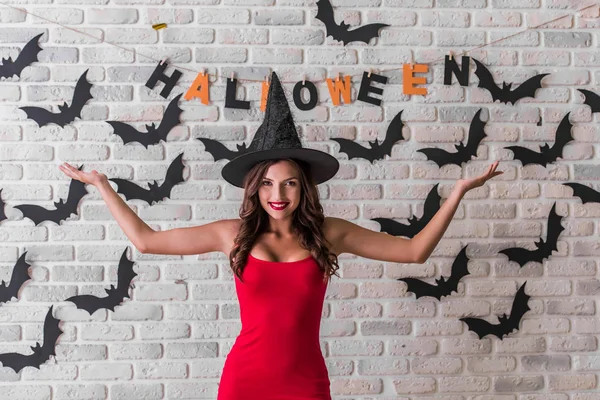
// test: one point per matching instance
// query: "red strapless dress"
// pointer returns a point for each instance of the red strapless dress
(277, 354)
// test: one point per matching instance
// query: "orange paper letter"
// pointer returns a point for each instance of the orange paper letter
(409, 80)
(343, 87)
(199, 89)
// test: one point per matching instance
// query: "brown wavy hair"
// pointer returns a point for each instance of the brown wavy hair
(307, 221)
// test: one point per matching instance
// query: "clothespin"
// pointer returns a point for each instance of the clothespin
(231, 76)
(337, 78)
(304, 79)
(164, 60)
(450, 55)
(369, 73)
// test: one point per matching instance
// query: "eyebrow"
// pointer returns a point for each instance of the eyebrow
(293, 177)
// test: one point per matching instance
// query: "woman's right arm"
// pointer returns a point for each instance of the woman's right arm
(179, 241)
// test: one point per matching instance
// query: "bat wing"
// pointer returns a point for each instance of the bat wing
(591, 99)
(51, 333)
(432, 204)
(2, 206)
(480, 326)
(27, 56)
(420, 288)
(88, 302)
(362, 34)
(394, 228)
(553, 232)
(125, 275)
(40, 115)
(170, 119)
(519, 308)
(459, 271)
(81, 95)
(355, 150)
(219, 151)
(562, 137)
(37, 214)
(18, 361)
(587, 194)
(476, 135)
(486, 81)
(174, 176)
(392, 136)
(131, 190)
(527, 156)
(522, 256)
(526, 89)
(20, 275)
(440, 157)
(128, 133)
(325, 12)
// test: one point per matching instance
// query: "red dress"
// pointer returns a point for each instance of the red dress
(277, 354)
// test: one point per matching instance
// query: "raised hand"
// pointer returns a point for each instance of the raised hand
(93, 178)
(468, 184)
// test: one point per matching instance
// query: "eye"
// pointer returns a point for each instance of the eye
(265, 182)
(293, 183)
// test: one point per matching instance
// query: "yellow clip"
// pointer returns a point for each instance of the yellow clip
(159, 26)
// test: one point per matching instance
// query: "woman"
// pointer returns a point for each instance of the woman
(282, 251)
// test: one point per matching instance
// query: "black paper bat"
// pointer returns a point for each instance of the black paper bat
(506, 324)
(463, 153)
(544, 249)
(340, 32)
(2, 206)
(505, 94)
(591, 99)
(41, 354)
(586, 193)
(27, 56)
(67, 114)
(547, 154)
(115, 296)
(443, 287)
(20, 275)
(376, 151)
(220, 152)
(62, 211)
(431, 206)
(155, 192)
(154, 135)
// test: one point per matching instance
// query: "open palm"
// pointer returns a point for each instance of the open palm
(468, 184)
(93, 178)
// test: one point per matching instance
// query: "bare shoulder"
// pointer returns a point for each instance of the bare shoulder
(334, 230)
(229, 230)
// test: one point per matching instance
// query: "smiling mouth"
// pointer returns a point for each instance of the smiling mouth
(278, 206)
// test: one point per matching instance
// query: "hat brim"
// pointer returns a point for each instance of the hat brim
(323, 166)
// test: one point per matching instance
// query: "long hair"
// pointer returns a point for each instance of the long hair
(307, 223)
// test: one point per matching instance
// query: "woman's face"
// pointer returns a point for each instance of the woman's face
(281, 184)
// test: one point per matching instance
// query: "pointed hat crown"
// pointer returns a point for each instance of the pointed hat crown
(277, 138)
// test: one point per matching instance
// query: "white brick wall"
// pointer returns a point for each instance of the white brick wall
(170, 340)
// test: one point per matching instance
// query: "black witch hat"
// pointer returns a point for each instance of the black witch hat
(277, 138)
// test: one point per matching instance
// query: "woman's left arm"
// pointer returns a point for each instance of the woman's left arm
(346, 237)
